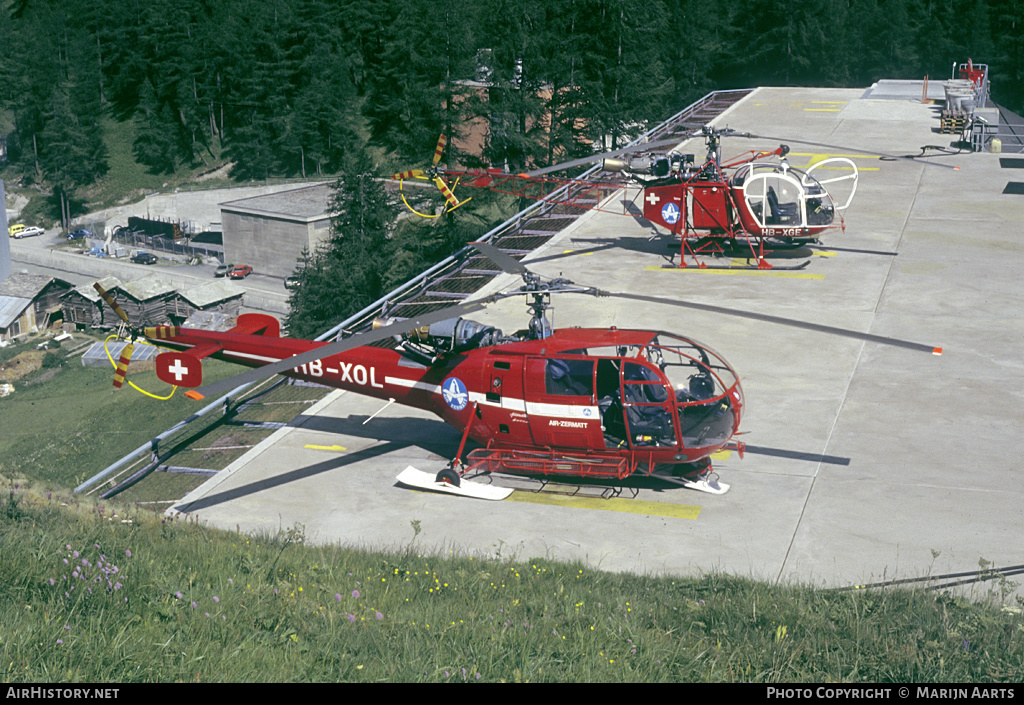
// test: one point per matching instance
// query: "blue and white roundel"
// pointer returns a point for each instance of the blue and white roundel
(454, 393)
(670, 213)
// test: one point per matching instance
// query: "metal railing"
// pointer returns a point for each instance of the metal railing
(1002, 137)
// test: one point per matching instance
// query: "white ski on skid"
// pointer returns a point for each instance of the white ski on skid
(705, 484)
(467, 488)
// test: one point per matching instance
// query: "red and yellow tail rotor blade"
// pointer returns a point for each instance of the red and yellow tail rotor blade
(111, 302)
(411, 174)
(439, 150)
(122, 365)
(453, 202)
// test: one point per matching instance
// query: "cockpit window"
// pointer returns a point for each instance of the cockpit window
(569, 377)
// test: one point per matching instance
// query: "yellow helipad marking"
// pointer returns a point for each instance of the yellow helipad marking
(815, 157)
(575, 252)
(721, 455)
(614, 504)
(335, 448)
(825, 253)
(739, 272)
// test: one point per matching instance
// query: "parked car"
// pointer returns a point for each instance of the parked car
(142, 257)
(79, 234)
(28, 231)
(13, 230)
(223, 270)
(241, 271)
(292, 283)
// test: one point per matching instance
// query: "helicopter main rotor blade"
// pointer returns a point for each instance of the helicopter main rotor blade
(355, 341)
(791, 322)
(506, 262)
(609, 155)
(514, 267)
(841, 149)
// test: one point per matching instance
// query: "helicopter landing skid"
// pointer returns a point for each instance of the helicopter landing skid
(701, 483)
(752, 251)
(466, 488)
(782, 267)
(704, 483)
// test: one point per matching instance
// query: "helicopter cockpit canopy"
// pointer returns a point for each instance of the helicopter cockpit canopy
(794, 201)
(668, 378)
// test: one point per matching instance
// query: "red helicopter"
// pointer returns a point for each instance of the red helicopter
(586, 403)
(714, 207)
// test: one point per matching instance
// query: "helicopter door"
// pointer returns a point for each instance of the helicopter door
(842, 182)
(504, 401)
(775, 201)
(560, 403)
(647, 406)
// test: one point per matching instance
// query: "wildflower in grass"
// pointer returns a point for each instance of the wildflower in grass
(216, 599)
(355, 594)
(178, 595)
(337, 596)
(60, 641)
(379, 616)
(351, 618)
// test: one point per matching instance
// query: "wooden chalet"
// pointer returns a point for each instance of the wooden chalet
(145, 301)
(220, 296)
(83, 307)
(149, 301)
(29, 303)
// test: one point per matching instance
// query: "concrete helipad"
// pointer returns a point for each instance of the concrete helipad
(865, 462)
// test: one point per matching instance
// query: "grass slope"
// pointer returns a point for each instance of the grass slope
(106, 594)
(64, 424)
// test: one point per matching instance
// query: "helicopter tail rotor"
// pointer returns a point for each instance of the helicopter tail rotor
(433, 173)
(126, 352)
(130, 333)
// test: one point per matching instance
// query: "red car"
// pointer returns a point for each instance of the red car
(240, 271)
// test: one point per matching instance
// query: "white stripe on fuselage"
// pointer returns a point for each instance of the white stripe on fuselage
(558, 411)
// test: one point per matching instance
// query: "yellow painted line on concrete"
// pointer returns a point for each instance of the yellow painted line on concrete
(815, 157)
(825, 253)
(825, 155)
(613, 504)
(334, 448)
(740, 272)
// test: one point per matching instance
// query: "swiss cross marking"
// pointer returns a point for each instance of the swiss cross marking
(178, 370)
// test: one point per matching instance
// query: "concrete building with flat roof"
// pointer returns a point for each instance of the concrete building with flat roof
(270, 232)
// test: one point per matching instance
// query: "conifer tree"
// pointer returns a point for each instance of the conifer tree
(348, 272)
